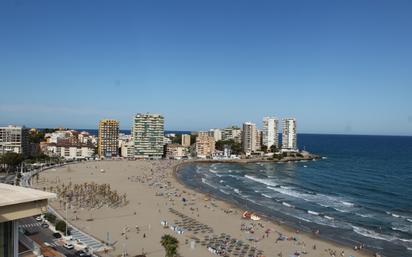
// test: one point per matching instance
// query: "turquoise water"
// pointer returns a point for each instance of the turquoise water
(360, 193)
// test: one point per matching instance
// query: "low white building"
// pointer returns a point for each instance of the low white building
(127, 149)
(69, 149)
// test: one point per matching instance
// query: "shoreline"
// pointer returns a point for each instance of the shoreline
(153, 190)
(240, 208)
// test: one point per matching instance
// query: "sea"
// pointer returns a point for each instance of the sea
(360, 192)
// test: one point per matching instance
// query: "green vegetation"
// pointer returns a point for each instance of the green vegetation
(61, 226)
(235, 147)
(10, 161)
(273, 148)
(50, 217)
(170, 244)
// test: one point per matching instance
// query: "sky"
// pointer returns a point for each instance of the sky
(340, 67)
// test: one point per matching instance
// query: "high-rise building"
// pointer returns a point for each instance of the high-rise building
(14, 139)
(258, 141)
(216, 133)
(107, 145)
(289, 139)
(148, 133)
(270, 132)
(232, 133)
(205, 145)
(249, 137)
(186, 140)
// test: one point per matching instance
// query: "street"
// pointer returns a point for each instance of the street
(45, 235)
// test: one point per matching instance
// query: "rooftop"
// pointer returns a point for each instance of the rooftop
(10, 195)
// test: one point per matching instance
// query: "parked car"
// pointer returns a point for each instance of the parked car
(57, 235)
(44, 225)
(39, 218)
(68, 246)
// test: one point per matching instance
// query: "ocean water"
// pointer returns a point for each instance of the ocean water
(361, 192)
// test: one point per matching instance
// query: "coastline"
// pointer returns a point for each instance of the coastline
(153, 190)
(241, 209)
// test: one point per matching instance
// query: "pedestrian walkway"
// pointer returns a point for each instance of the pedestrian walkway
(30, 225)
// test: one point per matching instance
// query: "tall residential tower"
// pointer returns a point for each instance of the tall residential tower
(270, 132)
(148, 133)
(289, 139)
(249, 138)
(107, 145)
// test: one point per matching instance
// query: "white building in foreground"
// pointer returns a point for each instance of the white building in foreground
(249, 138)
(18, 203)
(289, 136)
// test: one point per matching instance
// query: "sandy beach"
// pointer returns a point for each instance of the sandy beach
(152, 195)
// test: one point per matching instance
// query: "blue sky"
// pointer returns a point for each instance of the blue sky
(337, 66)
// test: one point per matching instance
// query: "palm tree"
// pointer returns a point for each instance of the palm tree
(170, 244)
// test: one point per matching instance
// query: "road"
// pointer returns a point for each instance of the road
(45, 235)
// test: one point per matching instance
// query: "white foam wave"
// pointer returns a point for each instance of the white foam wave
(267, 182)
(402, 228)
(288, 205)
(372, 234)
(410, 220)
(267, 196)
(204, 181)
(313, 212)
(328, 217)
(321, 199)
(237, 191)
(224, 191)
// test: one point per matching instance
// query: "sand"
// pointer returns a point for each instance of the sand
(151, 191)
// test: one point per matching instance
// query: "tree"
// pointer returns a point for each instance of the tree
(264, 148)
(61, 226)
(235, 147)
(273, 148)
(50, 217)
(11, 160)
(170, 244)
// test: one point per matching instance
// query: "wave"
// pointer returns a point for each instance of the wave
(320, 199)
(313, 212)
(288, 205)
(267, 196)
(223, 191)
(405, 229)
(267, 182)
(410, 220)
(328, 217)
(372, 234)
(204, 181)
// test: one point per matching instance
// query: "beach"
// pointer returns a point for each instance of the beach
(155, 200)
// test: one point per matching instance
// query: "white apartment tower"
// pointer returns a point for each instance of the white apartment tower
(148, 133)
(270, 132)
(289, 142)
(14, 139)
(249, 138)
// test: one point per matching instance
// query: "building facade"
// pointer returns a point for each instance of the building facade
(249, 138)
(14, 139)
(17, 203)
(289, 137)
(186, 140)
(205, 145)
(175, 151)
(270, 132)
(232, 133)
(69, 149)
(108, 138)
(216, 134)
(148, 135)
